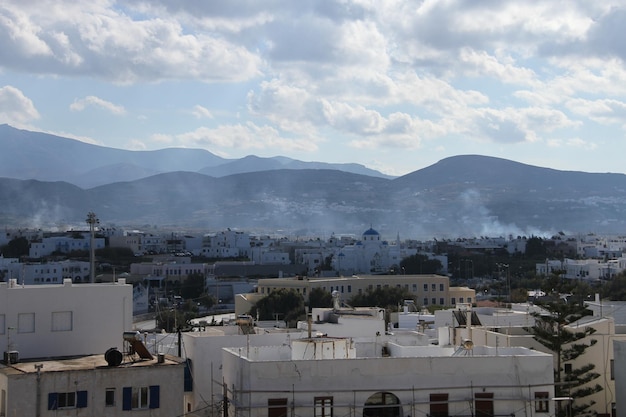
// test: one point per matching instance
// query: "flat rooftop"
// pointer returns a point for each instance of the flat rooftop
(82, 363)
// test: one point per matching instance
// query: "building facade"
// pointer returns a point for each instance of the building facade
(89, 386)
(63, 320)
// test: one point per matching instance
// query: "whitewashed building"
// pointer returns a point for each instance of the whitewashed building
(370, 254)
(323, 376)
(78, 241)
(89, 386)
(63, 320)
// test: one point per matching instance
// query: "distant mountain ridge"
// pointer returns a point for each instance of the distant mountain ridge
(468, 195)
(41, 156)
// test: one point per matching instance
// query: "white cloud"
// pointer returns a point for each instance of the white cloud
(93, 101)
(98, 40)
(201, 112)
(244, 136)
(15, 107)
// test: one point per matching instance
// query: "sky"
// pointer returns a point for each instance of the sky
(394, 85)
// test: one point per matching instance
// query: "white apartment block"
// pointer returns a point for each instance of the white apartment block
(324, 376)
(63, 244)
(63, 320)
(39, 273)
(583, 269)
(139, 242)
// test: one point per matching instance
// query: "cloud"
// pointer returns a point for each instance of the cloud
(98, 40)
(244, 136)
(201, 112)
(15, 107)
(93, 101)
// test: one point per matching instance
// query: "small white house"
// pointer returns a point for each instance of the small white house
(63, 320)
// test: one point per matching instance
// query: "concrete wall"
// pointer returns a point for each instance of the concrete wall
(64, 320)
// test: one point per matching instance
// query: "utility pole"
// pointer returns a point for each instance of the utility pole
(38, 399)
(92, 221)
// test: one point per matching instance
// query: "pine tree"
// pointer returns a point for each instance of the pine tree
(551, 331)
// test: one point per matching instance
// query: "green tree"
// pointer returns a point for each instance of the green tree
(285, 304)
(16, 248)
(551, 331)
(319, 297)
(420, 264)
(535, 247)
(389, 298)
(193, 286)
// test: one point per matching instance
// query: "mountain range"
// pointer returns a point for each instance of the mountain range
(53, 182)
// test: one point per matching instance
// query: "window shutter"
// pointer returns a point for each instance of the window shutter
(154, 396)
(53, 401)
(81, 399)
(127, 396)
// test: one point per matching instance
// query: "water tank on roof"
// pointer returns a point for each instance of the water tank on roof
(113, 357)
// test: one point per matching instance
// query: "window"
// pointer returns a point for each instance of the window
(542, 404)
(438, 405)
(323, 407)
(440, 287)
(277, 407)
(441, 301)
(612, 365)
(60, 400)
(433, 287)
(26, 323)
(61, 321)
(140, 397)
(567, 368)
(425, 301)
(109, 397)
(433, 301)
(483, 404)
(453, 301)
(425, 287)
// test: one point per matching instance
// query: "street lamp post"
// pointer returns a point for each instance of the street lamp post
(92, 221)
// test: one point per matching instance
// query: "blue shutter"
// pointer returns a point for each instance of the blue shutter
(154, 396)
(81, 399)
(127, 397)
(53, 401)
(188, 378)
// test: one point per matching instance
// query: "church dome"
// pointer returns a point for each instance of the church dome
(370, 232)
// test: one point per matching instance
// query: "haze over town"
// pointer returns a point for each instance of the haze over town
(395, 86)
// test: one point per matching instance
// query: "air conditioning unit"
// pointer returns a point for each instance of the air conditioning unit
(11, 356)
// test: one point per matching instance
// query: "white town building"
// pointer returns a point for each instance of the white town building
(323, 376)
(63, 320)
(91, 386)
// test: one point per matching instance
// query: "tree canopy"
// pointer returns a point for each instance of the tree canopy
(420, 264)
(388, 298)
(282, 304)
(551, 331)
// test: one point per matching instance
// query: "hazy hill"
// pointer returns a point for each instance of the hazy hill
(40, 156)
(459, 196)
